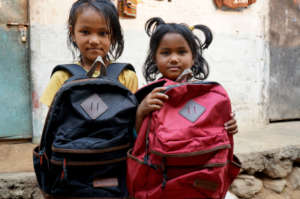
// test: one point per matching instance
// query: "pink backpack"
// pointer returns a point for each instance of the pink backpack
(183, 150)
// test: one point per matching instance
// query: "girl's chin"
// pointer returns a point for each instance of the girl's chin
(92, 58)
(173, 78)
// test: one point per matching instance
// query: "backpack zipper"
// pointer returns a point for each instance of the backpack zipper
(183, 155)
(85, 163)
(91, 151)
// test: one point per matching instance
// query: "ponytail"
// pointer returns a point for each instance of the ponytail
(207, 33)
(152, 24)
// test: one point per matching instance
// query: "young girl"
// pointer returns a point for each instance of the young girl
(173, 49)
(93, 30)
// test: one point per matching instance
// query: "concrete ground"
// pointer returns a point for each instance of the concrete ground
(271, 137)
(16, 158)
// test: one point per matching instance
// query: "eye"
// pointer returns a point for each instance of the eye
(103, 33)
(164, 52)
(84, 32)
(182, 52)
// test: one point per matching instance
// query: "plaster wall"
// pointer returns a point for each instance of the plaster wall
(238, 56)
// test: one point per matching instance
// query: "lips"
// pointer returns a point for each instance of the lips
(174, 68)
(94, 49)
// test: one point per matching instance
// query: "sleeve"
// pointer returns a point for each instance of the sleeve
(129, 79)
(56, 81)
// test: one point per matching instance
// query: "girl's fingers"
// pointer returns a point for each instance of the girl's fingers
(232, 129)
(159, 89)
(158, 93)
(157, 101)
(235, 131)
(155, 107)
(232, 114)
(160, 96)
(230, 123)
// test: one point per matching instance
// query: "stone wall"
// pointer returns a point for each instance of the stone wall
(269, 175)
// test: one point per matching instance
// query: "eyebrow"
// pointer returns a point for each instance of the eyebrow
(101, 28)
(179, 48)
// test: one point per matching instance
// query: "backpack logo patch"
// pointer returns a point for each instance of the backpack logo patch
(94, 106)
(192, 111)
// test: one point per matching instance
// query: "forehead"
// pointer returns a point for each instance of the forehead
(90, 17)
(173, 40)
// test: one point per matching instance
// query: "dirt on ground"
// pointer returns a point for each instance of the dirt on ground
(16, 157)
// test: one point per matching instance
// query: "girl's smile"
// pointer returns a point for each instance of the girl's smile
(173, 55)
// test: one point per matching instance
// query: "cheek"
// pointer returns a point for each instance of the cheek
(109, 41)
(190, 62)
(161, 59)
(160, 68)
(160, 65)
(80, 41)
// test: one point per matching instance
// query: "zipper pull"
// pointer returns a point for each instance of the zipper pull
(41, 154)
(165, 173)
(64, 175)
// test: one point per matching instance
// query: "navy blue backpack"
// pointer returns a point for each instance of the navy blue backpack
(86, 135)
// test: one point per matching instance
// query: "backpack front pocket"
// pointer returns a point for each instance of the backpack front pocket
(200, 184)
(187, 142)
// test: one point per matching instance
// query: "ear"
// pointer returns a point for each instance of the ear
(193, 61)
(72, 33)
(154, 58)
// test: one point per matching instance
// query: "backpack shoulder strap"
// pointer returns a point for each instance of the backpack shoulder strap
(73, 69)
(115, 69)
(141, 93)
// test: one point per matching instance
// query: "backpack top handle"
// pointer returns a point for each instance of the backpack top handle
(94, 65)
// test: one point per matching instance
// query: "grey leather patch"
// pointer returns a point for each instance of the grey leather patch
(192, 111)
(94, 106)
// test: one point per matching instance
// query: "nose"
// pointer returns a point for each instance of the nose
(174, 58)
(94, 39)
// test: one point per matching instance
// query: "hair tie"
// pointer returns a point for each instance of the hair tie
(192, 28)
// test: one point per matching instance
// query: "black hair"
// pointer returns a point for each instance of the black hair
(156, 28)
(110, 13)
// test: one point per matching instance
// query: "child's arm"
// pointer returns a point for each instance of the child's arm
(56, 81)
(231, 125)
(153, 101)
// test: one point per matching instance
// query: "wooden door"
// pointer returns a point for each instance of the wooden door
(284, 60)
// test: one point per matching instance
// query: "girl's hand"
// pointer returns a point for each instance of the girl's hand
(153, 101)
(231, 125)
